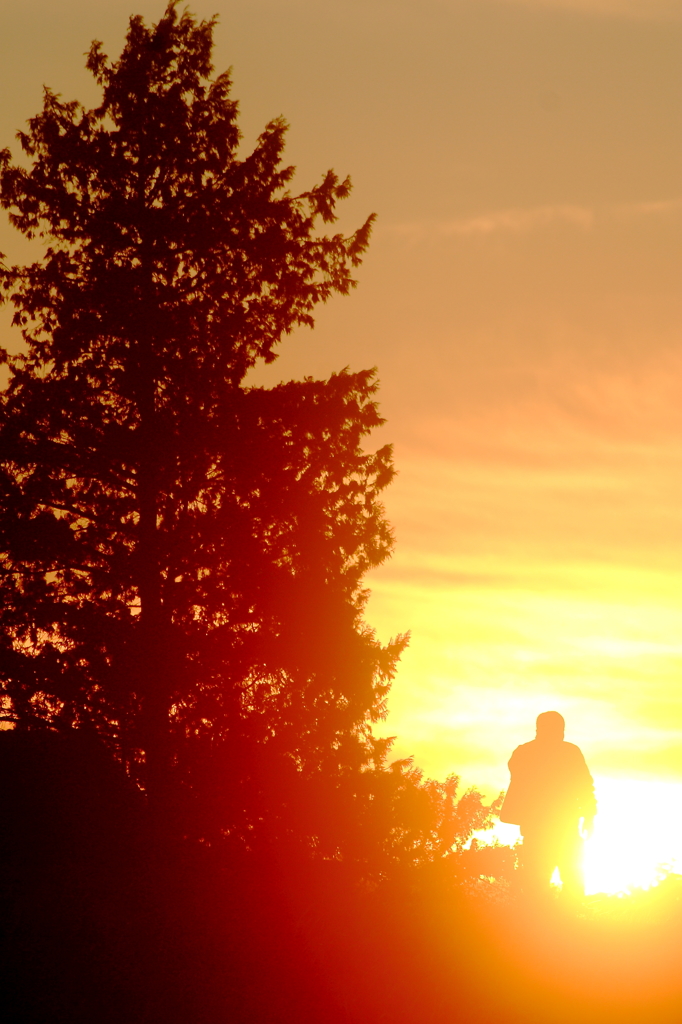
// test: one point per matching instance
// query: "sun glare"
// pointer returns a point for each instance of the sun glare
(637, 837)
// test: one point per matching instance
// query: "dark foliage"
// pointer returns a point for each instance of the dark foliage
(198, 818)
(182, 556)
(105, 920)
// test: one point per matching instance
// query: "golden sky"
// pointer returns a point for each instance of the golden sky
(521, 299)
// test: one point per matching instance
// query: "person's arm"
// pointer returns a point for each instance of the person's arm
(586, 799)
(588, 826)
(510, 810)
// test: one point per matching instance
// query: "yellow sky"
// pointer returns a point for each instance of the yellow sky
(521, 300)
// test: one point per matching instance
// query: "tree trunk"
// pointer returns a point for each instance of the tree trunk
(152, 661)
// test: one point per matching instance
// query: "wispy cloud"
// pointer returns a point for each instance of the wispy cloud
(516, 220)
(520, 220)
(523, 220)
(660, 206)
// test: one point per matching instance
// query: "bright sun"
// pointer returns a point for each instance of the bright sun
(637, 837)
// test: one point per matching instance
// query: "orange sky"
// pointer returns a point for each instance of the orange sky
(521, 300)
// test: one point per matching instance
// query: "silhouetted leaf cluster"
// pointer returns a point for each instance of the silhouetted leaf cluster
(183, 555)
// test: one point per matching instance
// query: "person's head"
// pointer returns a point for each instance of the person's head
(550, 725)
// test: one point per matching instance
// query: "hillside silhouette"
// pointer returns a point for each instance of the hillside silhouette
(105, 920)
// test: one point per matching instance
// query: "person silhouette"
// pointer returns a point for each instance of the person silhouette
(550, 791)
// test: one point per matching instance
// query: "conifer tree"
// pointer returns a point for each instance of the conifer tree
(182, 555)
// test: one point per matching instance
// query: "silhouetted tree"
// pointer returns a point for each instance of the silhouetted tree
(182, 555)
(391, 818)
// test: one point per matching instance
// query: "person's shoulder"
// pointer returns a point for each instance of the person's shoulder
(572, 749)
(524, 748)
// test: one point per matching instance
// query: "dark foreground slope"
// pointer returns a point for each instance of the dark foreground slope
(103, 921)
